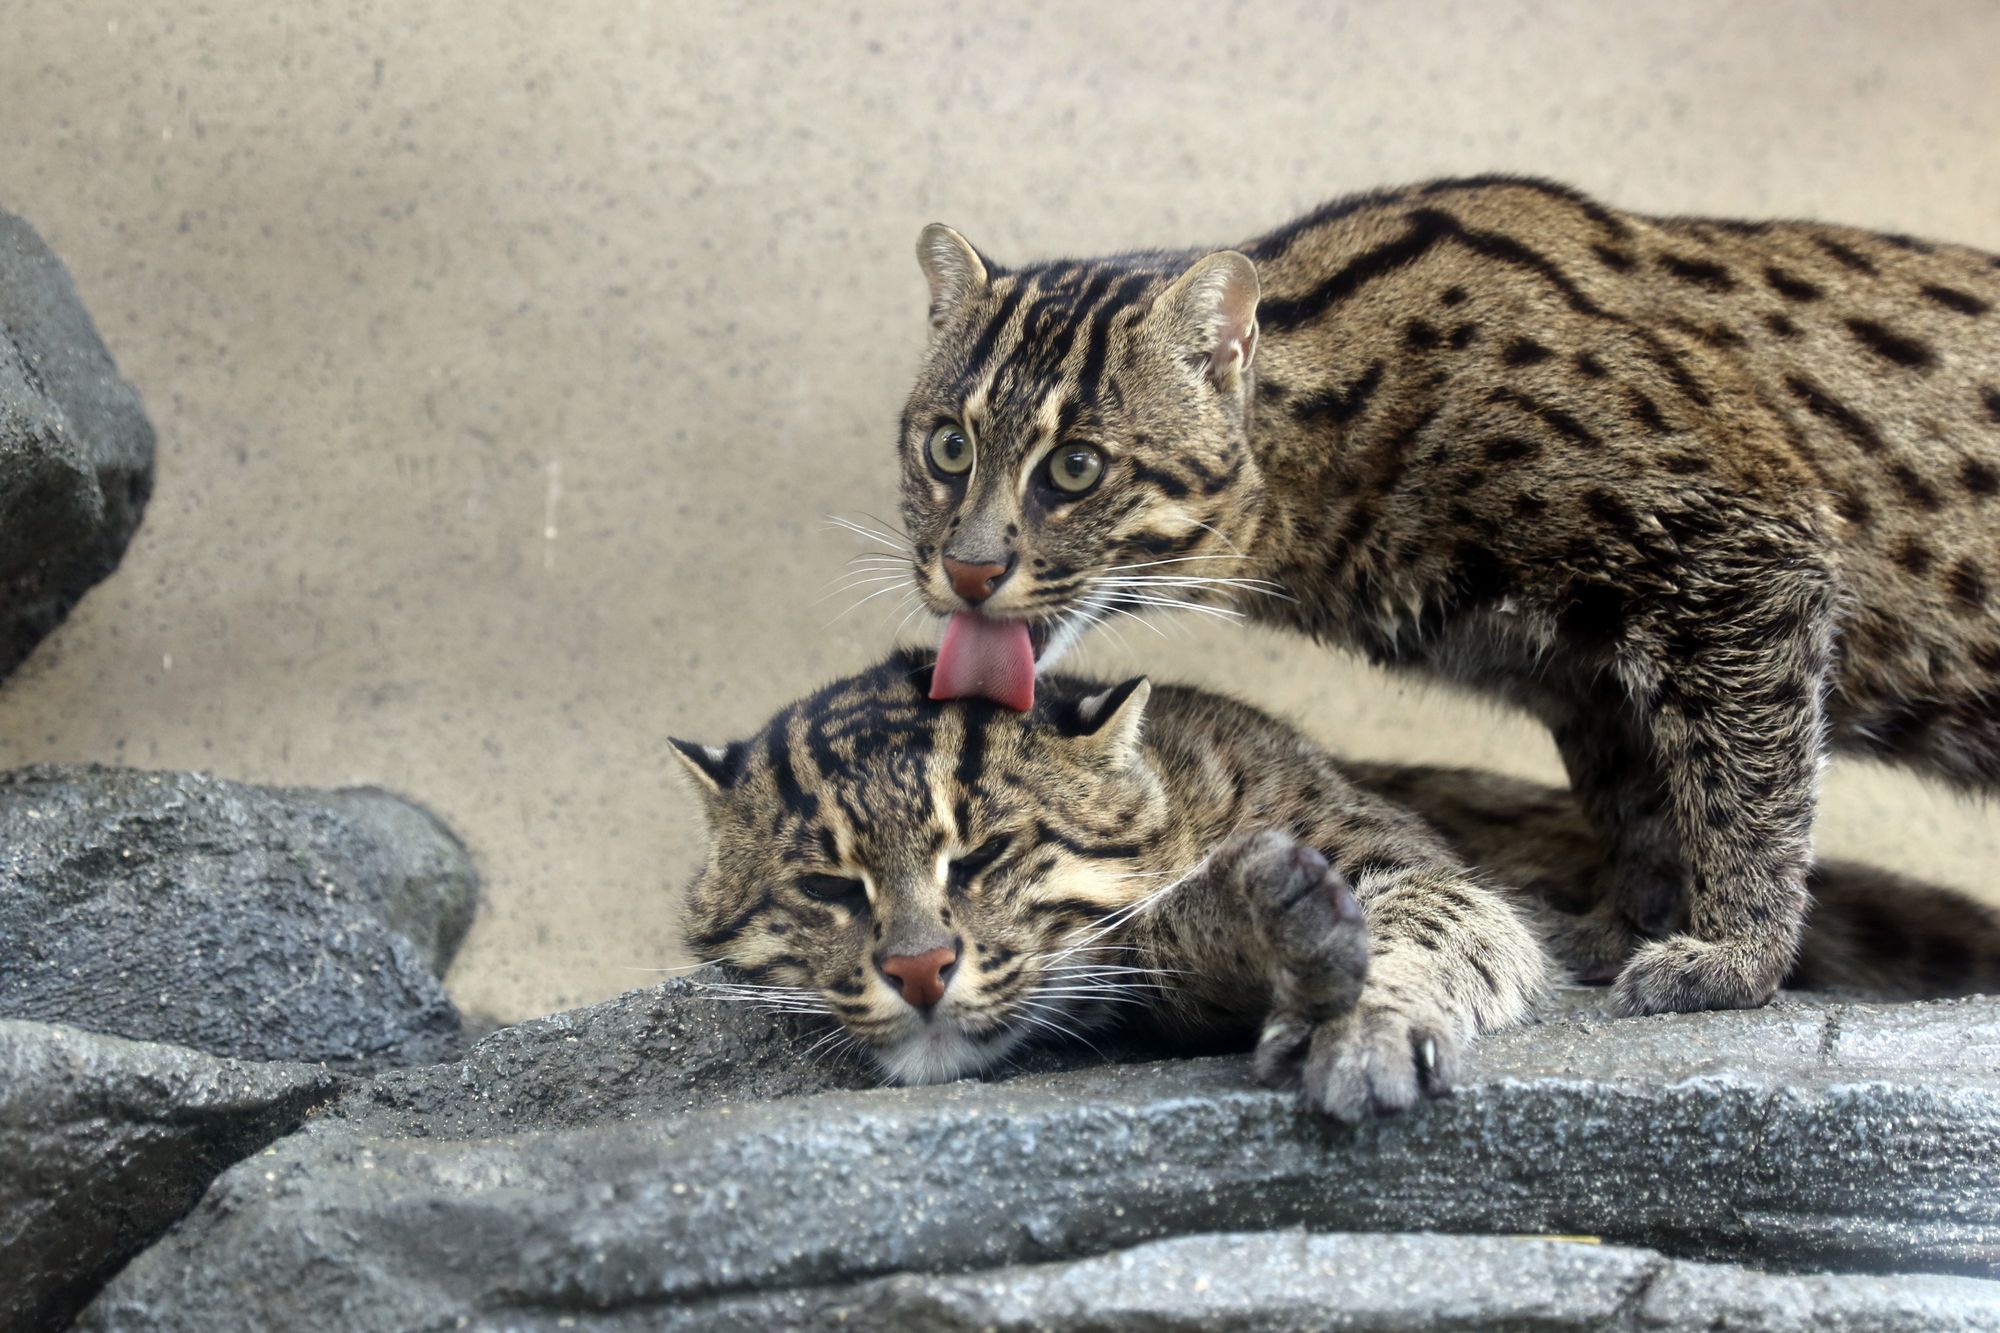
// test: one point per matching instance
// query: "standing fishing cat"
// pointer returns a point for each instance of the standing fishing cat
(1706, 497)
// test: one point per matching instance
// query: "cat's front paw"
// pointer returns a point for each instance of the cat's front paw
(1681, 974)
(1315, 941)
(1378, 1060)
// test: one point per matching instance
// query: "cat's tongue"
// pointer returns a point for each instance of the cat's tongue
(987, 659)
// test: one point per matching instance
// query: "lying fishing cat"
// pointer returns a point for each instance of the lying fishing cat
(1704, 496)
(949, 880)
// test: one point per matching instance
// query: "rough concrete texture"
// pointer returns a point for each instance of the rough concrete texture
(1304, 1283)
(1828, 1135)
(264, 923)
(76, 451)
(104, 1142)
(506, 356)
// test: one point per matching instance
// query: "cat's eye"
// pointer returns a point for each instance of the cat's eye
(834, 889)
(951, 450)
(1075, 468)
(965, 868)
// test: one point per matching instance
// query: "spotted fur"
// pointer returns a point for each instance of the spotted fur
(1707, 497)
(1212, 868)
(1173, 855)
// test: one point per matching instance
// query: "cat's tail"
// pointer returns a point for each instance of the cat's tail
(1894, 938)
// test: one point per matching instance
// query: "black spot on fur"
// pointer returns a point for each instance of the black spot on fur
(1420, 336)
(1918, 491)
(1611, 511)
(1890, 345)
(1853, 508)
(1453, 296)
(1978, 477)
(1647, 413)
(1620, 260)
(1910, 243)
(1700, 272)
(1965, 303)
(1967, 582)
(1462, 336)
(1781, 325)
(1683, 465)
(1586, 364)
(1525, 352)
(1990, 396)
(1914, 556)
(1337, 405)
(1790, 286)
(1845, 254)
(1530, 506)
(1509, 448)
(1831, 410)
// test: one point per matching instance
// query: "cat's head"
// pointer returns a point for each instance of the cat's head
(1077, 440)
(939, 877)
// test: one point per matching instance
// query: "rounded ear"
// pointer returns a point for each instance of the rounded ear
(714, 768)
(952, 267)
(1210, 315)
(1110, 721)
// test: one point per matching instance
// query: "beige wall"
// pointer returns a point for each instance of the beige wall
(505, 355)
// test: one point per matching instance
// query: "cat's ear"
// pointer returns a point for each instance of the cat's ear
(953, 268)
(713, 768)
(1210, 316)
(1110, 721)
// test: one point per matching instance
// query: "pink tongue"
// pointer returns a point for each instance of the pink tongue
(987, 659)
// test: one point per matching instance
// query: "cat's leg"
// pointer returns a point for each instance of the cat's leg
(1733, 690)
(1641, 881)
(1446, 958)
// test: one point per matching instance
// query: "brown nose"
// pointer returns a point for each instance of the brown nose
(920, 977)
(975, 583)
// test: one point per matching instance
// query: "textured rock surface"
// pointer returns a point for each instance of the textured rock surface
(257, 922)
(1849, 1136)
(1277, 1283)
(76, 452)
(104, 1142)
(645, 1054)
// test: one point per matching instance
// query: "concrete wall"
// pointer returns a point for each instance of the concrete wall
(506, 355)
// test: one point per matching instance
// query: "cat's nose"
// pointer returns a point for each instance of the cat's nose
(921, 977)
(975, 583)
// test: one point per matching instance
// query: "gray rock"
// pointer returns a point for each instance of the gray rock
(646, 1054)
(264, 923)
(1286, 1281)
(104, 1142)
(1809, 1135)
(76, 451)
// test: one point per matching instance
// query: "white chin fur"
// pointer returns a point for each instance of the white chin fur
(1068, 630)
(939, 1052)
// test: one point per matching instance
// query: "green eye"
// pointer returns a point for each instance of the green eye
(951, 450)
(1075, 468)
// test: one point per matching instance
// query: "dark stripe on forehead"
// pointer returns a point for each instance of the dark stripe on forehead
(989, 337)
(1053, 322)
(778, 750)
(1121, 297)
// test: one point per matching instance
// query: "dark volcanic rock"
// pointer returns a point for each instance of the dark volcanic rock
(76, 452)
(264, 923)
(104, 1142)
(1851, 1136)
